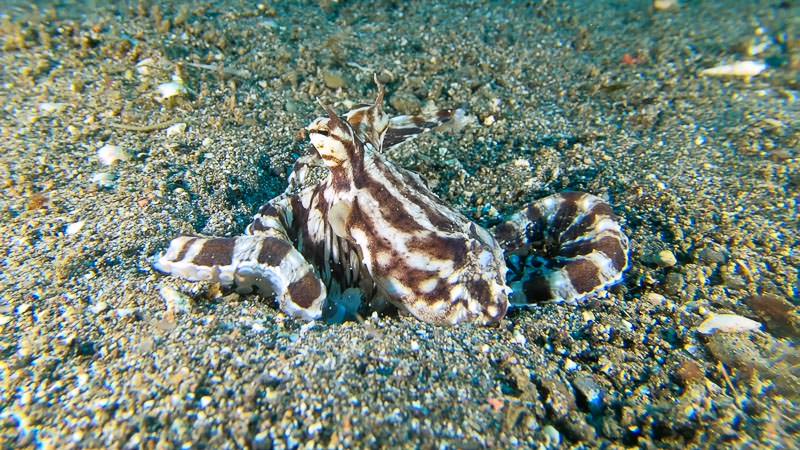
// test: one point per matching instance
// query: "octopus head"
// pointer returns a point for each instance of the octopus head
(333, 138)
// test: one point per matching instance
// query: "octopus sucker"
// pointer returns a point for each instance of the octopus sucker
(373, 231)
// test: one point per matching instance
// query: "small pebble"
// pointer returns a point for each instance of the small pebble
(176, 301)
(665, 5)
(666, 258)
(99, 307)
(171, 89)
(4, 319)
(405, 103)
(332, 79)
(50, 108)
(414, 346)
(570, 365)
(109, 154)
(743, 69)
(74, 227)
(176, 130)
(727, 323)
(144, 66)
(103, 179)
(553, 436)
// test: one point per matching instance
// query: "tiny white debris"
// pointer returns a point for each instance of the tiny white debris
(522, 163)
(174, 88)
(23, 308)
(519, 338)
(75, 227)
(176, 301)
(4, 319)
(257, 327)
(125, 312)
(99, 307)
(744, 69)
(109, 154)
(143, 67)
(489, 121)
(51, 107)
(570, 365)
(205, 401)
(414, 346)
(177, 129)
(665, 5)
(727, 323)
(103, 179)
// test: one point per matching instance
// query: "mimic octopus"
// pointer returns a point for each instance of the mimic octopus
(374, 231)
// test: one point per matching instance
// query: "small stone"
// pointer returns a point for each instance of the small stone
(51, 108)
(781, 317)
(4, 319)
(172, 89)
(727, 323)
(176, 130)
(553, 436)
(74, 227)
(591, 390)
(414, 346)
(405, 103)
(655, 299)
(109, 154)
(333, 80)
(743, 69)
(665, 258)
(99, 307)
(103, 179)
(177, 302)
(709, 256)
(588, 317)
(665, 5)
(690, 372)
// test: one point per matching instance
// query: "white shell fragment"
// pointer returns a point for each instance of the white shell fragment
(51, 107)
(109, 154)
(727, 323)
(103, 179)
(176, 301)
(176, 130)
(174, 88)
(737, 69)
(74, 227)
(143, 67)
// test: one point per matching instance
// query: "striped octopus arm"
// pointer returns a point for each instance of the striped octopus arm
(563, 248)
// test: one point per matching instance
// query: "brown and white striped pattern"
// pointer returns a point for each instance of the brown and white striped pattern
(420, 254)
(266, 264)
(375, 227)
(563, 248)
